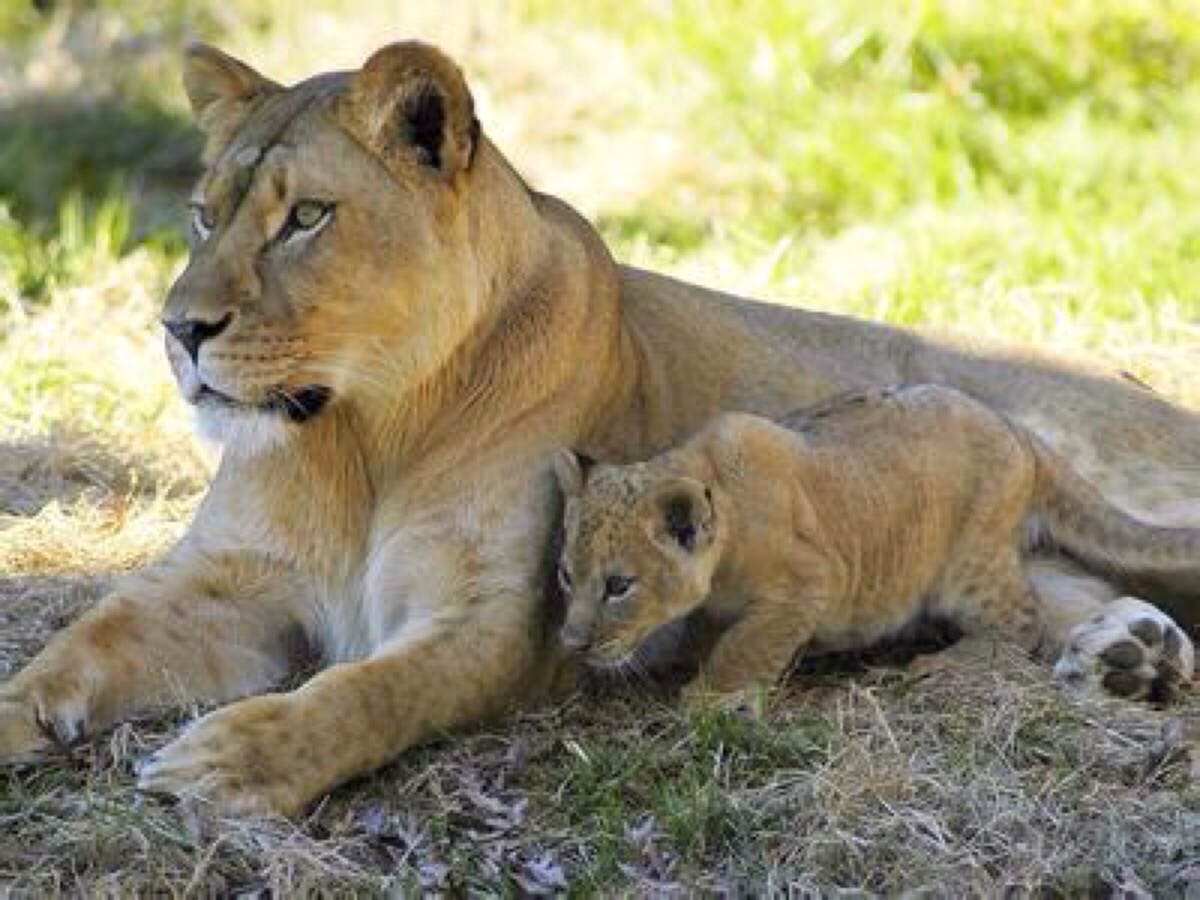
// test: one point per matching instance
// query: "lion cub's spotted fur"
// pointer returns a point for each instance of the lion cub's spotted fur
(843, 526)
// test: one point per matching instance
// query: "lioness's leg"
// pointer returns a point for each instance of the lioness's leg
(195, 627)
(275, 753)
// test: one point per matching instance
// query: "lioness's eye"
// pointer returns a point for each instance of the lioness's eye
(564, 579)
(617, 586)
(203, 220)
(305, 218)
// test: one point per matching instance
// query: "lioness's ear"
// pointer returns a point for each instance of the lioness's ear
(219, 86)
(571, 468)
(683, 514)
(411, 99)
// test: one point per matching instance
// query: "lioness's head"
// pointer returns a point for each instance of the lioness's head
(334, 238)
(641, 546)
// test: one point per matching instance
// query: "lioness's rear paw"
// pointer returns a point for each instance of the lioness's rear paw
(1132, 650)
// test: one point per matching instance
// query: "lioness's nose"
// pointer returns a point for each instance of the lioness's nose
(575, 638)
(191, 333)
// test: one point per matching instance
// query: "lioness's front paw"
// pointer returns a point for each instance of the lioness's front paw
(244, 759)
(1132, 650)
(35, 722)
(22, 739)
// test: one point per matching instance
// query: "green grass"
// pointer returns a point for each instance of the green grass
(1018, 169)
(683, 778)
(1015, 168)
(65, 251)
(1026, 154)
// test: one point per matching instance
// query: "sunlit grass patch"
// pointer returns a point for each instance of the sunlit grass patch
(91, 358)
(96, 462)
(94, 535)
(934, 164)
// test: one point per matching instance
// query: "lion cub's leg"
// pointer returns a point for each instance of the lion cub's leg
(1007, 611)
(989, 595)
(758, 647)
(991, 600)
(193, 628)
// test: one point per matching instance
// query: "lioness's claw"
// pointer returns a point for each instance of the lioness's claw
(1131, 650)
(22, 739)
(36, 723)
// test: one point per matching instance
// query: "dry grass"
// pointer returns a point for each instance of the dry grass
(961, 783)
(964, 783)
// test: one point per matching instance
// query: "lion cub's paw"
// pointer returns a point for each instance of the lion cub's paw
(750, 701)
(243, 759)
(1132, 650)
(968, 654)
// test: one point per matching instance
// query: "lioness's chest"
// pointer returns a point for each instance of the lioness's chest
(439, 566)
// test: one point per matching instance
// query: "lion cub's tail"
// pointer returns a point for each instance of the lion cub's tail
(1076, 517)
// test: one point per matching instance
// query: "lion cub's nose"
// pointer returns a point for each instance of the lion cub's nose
(575, 638)
(191, 333)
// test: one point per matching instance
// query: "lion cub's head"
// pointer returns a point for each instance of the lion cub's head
(336, 244)
(641, 548)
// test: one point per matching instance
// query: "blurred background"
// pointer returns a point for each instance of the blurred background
(1021, 170)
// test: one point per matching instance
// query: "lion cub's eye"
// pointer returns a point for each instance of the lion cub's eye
(564, 579)
(304, 219)
(203, 220)
(617, 586)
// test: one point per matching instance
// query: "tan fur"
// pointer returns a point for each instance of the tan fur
(461, 328)
(844, 526)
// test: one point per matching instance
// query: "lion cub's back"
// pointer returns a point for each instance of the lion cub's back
(909, 429)
(900, 480)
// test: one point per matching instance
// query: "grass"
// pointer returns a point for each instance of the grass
(943, 163)
(964, 784)
(1016, 169)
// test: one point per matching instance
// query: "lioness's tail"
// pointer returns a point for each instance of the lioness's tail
(1077, 518)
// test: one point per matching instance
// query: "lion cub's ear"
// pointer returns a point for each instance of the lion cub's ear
(571, 468)
(683, 515)
(410, 99)
(220, 87)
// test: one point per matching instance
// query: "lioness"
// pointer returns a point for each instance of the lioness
(391, 333)
(846, 525)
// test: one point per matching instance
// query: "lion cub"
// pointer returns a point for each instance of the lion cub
(841, 524)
